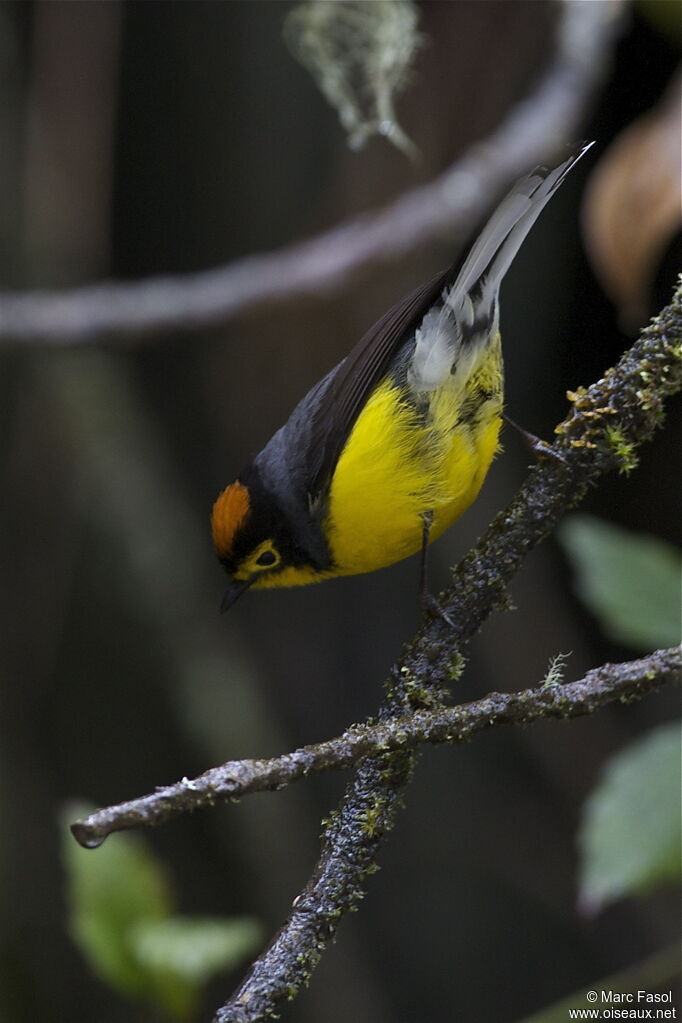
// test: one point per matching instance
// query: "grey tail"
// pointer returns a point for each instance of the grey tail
(498, 243)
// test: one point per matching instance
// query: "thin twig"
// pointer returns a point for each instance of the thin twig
(626, 681)
(448, 207)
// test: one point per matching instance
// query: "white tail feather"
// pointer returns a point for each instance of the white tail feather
(471, 302)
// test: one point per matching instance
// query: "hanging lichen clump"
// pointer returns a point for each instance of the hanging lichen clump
(359, 53)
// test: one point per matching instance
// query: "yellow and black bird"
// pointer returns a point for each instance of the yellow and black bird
(391, 446)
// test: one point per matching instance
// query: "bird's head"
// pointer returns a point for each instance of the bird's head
(244, 539)
(256, 542)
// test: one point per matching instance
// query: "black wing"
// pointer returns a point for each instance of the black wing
(357, 377)
(481, 266)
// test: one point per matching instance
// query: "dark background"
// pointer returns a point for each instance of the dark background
(140, 138)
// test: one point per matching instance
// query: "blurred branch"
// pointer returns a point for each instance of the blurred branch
(601, 686)
(605, 425)
(447, 207)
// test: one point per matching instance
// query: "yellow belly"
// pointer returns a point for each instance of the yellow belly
(394, 469)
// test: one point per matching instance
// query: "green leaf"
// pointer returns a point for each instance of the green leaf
(181, 953)
(120, 916)
(109, 890)
(630, 581)
(631, 832)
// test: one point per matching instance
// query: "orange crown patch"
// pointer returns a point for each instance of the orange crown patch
(229, 511)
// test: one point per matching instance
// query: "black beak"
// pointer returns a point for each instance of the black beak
(234, 592)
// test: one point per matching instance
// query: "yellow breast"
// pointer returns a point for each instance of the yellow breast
(399, 464)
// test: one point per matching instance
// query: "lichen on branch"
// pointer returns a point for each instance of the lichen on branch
(442, 726)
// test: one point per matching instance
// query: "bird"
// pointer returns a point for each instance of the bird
(389, 448)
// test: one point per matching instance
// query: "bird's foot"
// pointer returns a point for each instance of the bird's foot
(541, 450)
(432, 608)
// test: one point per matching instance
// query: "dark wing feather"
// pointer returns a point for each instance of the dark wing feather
(489, 258)
(358, 375)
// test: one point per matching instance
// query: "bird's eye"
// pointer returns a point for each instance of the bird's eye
(266, 559)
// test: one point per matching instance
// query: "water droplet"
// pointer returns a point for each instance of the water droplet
(92, 843)
(84, 837)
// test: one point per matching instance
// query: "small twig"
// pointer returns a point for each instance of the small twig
(627, 681)
(448, 207)
(628, 399)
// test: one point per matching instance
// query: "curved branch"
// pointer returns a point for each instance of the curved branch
(449, 206)
(626, 681)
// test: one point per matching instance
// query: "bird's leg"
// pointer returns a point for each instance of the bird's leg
(540, 448)
(429, 604)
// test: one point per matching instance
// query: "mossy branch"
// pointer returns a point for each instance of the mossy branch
(623, 682)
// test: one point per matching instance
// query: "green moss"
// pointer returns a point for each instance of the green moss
(372, 818)
(328, 822)
(624, 449)
(457, 666)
